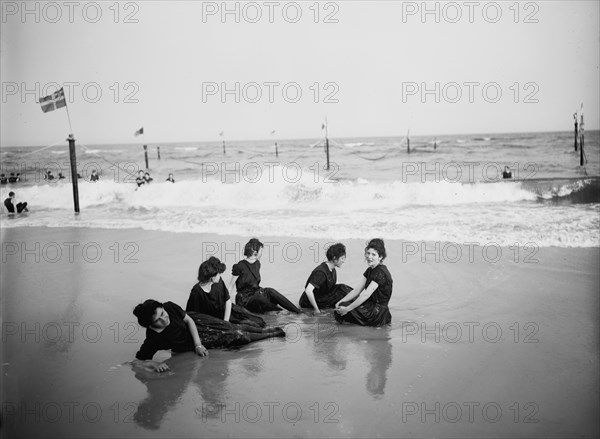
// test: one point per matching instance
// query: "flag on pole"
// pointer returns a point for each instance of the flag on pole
(138, 132)
(221, 134)
(323, 126)
(54, 101)
(272, 132)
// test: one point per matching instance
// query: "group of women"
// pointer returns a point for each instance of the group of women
(212, 320)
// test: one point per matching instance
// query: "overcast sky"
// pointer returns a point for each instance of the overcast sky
(373, 68)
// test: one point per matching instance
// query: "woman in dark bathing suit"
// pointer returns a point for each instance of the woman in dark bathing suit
(246, 280)
(321, 289)
(367, 304)
(169, 327)
(210, 296)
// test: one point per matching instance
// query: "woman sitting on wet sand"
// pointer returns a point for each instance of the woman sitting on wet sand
(321, 289)
(367, 304)
(210, 296)
(169, 327)
(246, 280)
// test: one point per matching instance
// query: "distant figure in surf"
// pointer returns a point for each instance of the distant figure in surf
(3, 179)
(169, 327)
(10, 206)
(94, 177)
(210, 296)
(246, 280)
(147, 178)
(321, 289)
(170, 178)
(367, 304)
(48, 175)
(61, 176)
(140, 179)
(507, 173)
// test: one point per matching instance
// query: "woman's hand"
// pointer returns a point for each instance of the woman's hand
(201, 350)
(341, 310)
(160, 367)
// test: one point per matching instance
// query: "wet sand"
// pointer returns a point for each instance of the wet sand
(476, 348)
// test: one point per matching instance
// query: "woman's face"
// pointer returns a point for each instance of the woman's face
(259, 253)
(339, 262)
(372, 257)
(215, 278)
(160, 319)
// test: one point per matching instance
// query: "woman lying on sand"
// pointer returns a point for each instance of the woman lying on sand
(169, 327)
(321, 289)
(372, 294)
(246, 280)
(210, 296)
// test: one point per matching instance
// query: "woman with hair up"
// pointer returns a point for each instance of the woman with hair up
(169, 327)
(367, 304)
(246, 280)
(210, 296)
(321, 289)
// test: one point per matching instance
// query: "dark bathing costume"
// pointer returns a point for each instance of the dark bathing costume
(326, 292)
(374, 311)
(213, 332)
(252, 296)
(213, 304)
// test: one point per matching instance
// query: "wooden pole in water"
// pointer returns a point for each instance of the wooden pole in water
(276, 150)
(435, 143)
(576, 131)
(146, 156)
(223, 146)
(158, 152)
(327, 144)
(408, 142)
(581, 131)
(73, 159)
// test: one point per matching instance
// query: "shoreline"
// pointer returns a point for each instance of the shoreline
(512, 335)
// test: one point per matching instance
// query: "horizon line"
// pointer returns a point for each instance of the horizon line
(219, 140)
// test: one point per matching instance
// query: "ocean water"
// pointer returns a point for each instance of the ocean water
(448, 188)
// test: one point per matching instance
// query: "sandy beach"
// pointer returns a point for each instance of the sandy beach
(496, 343)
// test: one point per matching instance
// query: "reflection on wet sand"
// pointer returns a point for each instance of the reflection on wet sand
(164, 389)
(209, 376)
(378, 353)
(333, 343)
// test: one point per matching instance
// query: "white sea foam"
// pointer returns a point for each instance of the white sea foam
(441, 211)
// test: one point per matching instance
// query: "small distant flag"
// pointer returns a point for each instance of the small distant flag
(272, 132)
(54, 101)
(139, 132)
(323, 126)
(221, 134)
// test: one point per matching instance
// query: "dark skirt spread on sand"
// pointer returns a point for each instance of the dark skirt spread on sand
(326, 299)
(217, 333)
(367, 314)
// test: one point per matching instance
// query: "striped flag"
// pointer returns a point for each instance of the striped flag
(138, 132)
(54, 101)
